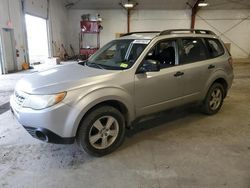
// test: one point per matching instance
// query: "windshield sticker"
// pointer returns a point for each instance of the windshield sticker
(123, 65)
(141, 41)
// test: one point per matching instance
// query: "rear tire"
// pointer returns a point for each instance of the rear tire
(101, 131)
(214, 99)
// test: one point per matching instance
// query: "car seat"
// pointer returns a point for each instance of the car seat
(167, 56)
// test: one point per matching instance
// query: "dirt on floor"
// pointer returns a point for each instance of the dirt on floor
(178, 148)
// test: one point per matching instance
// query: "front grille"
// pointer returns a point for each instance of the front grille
(31, 131)
(19, 97)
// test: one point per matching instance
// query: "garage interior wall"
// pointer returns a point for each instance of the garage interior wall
(143, 20)
(64, 24)
(115, 21)
(233, 26)
(58, 23)
(12, 17)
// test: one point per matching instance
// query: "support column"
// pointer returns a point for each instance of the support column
(195, 9)
(128, 20)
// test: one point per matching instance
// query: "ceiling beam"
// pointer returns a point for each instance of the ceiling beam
(194, 10)
(128, 20)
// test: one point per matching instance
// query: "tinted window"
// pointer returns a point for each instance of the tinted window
(164, 52)
(214, 47)
(193, 50)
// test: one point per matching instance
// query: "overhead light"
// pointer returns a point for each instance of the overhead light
(128, 5)
(203, 4)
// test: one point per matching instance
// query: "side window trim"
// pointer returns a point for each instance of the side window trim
(176, 47)
(206, 48)
(180, 52)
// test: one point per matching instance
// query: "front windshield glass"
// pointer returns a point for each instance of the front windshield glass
(118, 54)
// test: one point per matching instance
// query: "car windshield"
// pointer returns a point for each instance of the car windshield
(118, 54)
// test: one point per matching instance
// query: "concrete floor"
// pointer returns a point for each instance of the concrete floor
(180, 148)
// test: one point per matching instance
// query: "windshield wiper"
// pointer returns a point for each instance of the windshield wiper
(91, 64)
(82, 63)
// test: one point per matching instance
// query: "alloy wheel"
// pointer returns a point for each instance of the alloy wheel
(103, 132)
(215, 99)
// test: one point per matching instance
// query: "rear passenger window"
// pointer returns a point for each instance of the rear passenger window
(193, 50)
(214, 47)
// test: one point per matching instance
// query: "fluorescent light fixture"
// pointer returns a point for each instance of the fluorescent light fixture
(204, 4)
(128, 5)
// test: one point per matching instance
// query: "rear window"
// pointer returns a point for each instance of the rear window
(215, 48)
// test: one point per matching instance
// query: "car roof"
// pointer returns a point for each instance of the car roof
(169, 34)
(141, 36)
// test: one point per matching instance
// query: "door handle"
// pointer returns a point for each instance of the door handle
(211, 66)
(178, 74)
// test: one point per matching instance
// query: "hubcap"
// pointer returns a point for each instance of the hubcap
(103, 132)
(216, 98)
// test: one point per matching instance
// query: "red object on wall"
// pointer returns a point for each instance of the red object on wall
(88, 52)
(90, 26)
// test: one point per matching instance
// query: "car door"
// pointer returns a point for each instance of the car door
(156, 91)
(195, 65)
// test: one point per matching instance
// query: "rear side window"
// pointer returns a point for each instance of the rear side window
(215, 48)
(193, 49)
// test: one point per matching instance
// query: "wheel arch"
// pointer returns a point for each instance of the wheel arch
(109, 97)
(218, 77)
(113, 103)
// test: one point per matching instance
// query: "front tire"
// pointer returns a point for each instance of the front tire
(101, 131)
(214, 99)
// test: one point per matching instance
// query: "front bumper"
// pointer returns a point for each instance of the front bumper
(48, 136)
(50, 125)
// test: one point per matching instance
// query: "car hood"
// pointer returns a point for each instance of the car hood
(62, 78)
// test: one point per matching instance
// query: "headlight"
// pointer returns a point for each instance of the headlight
(39, 102)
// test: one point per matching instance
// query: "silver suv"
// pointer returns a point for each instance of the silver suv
(141, 73)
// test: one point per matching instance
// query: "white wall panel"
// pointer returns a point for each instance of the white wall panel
(58, 22)
(115, 21)
(160, 20)
(4, 13)
(36, 8)
(233, 26)
(11, 11)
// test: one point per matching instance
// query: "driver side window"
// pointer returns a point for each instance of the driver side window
(164, 52)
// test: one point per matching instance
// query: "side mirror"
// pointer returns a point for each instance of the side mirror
(149, 65)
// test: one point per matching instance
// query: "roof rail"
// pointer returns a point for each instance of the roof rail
(195, 31)
(137, 32)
